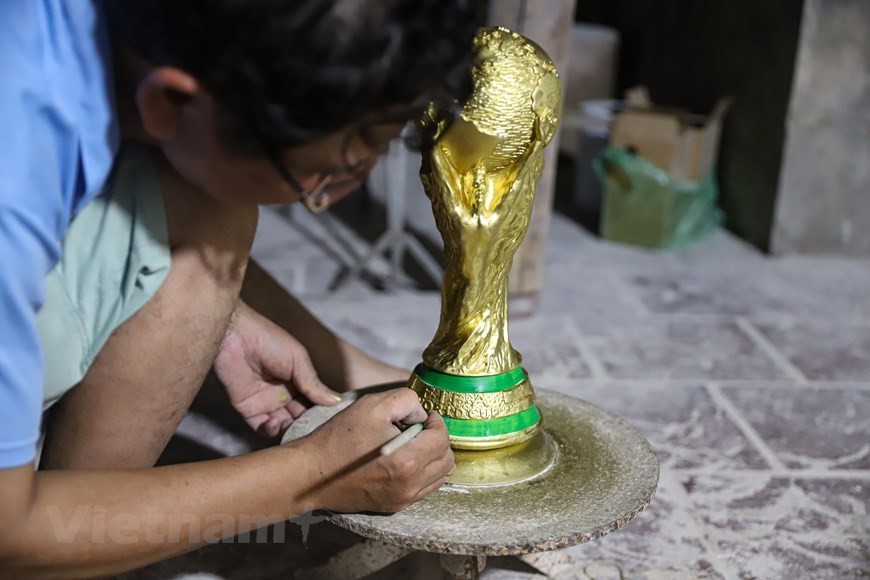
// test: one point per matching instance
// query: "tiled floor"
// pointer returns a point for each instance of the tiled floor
(749, 375)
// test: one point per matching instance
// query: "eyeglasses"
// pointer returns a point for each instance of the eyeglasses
(318, 199)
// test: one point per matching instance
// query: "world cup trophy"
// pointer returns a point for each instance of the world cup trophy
(480, 176)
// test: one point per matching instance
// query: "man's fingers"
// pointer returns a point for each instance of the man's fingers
(433, 441)
(295, 409)
(403, 406)
(270, 411)
(429, 489)
(283, 419)
(435, 421)
(273, 424)
(257, 421)
(435, 474)
(316, 392)
(442, 463)
(265, 400)
(309, 384)
(271, 427)
(431, 450)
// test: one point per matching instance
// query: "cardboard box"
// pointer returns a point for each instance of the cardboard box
(659, 184)
(684, 145)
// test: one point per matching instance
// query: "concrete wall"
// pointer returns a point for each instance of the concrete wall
(824, 192)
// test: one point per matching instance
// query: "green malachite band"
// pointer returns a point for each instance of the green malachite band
(460, 384)
(495, 427)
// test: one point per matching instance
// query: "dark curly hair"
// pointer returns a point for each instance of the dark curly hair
(287, 72)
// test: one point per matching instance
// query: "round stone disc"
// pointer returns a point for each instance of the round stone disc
(606, 474)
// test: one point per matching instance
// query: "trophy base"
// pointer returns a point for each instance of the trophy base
(481, 412)
(518, 463)
(493, 442)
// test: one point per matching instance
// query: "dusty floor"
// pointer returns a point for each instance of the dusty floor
(749, 375)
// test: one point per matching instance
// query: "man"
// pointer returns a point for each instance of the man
(133, 284)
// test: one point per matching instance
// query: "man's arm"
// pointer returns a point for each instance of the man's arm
(84, 523)
(339, 364)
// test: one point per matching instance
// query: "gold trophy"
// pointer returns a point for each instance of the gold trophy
(480, 176)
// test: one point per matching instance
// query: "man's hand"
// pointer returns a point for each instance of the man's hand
(347, 469)
(339, 363)
(267, 373)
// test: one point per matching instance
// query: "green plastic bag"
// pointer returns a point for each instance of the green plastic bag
(645, 206)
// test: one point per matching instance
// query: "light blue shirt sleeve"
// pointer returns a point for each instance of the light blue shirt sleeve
(57, 141)
(25, 252)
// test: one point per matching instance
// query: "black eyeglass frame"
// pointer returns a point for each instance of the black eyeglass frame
(318, 199)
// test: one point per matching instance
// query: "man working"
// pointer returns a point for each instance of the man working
(125, 273)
